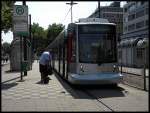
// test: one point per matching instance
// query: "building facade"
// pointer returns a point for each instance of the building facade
(133, 48)
(114, 14)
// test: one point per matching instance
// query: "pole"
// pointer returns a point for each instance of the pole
(99, 8)
(21, 59)
(30, 39)
(144, 77)
(25, 47)
(71, 4)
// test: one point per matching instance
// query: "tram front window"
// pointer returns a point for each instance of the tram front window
(96, 46)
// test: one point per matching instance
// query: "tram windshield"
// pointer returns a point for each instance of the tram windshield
(97, 44)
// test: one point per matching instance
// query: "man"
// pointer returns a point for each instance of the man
(43, 64)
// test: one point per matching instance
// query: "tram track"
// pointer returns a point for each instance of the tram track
(78, 90)
(97, 99)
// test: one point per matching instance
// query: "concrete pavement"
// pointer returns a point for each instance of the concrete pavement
(30, 95)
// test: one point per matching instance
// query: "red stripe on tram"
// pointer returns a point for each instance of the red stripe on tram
(69, 47)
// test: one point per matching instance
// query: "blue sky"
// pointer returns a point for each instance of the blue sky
(46, 13)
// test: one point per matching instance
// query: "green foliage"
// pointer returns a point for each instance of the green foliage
(39, 37)
(42, 38)
(37, 31)
(6, 15)
(6, 48)
(53, 31)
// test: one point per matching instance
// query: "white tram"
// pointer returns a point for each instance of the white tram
(86, 52)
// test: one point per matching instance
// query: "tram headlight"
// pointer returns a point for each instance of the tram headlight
(81, 68)
(115, 68)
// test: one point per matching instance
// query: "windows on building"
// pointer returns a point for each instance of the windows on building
(131, 17)
(146, 10)
(120, 54)
(125, 19)
(138, 4)
(125, 28)
(139, 24)
(140, 13)
(146, 23)
(125, 10)
(132, 8)
(139, 52)
(131, 27)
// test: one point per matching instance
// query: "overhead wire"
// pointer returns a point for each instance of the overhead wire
(66, 15)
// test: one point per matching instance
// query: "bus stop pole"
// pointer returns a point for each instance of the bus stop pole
(30, 40)
(25, 47)
(21, 75)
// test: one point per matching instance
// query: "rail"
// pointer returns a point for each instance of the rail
(136, 77)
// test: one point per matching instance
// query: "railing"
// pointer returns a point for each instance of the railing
(136, 77)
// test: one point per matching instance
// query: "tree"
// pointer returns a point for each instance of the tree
(42, 38)
(37, 31)
(6, 15)
(53, 31)
(6, 48)
(39, 37)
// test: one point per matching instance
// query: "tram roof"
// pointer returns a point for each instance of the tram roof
(86, 23)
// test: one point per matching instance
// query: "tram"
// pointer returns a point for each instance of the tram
(86, 52)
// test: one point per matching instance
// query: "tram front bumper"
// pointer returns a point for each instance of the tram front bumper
(101, 78)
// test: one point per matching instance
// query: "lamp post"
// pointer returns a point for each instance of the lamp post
(71, 4)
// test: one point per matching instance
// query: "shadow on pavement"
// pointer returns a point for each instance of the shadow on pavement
(8, 86)
(99, 91)
(11, 71)
(10, 80)
(39, 82)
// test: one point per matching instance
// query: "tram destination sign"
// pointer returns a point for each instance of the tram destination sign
(20, 20)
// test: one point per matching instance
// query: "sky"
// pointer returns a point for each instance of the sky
(46, 13)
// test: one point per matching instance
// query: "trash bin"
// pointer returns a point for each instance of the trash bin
(25, 66)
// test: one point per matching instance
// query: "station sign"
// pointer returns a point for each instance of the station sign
(20, 20)
(20, 13)
(21, 29)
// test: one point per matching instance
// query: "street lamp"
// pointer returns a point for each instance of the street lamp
(71, 4)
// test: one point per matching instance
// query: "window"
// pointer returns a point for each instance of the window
(120, 54)
(140, 13)
(125, 28)
(138, 4)
(139, 25)
(146, 10)
(131, 17)
(125, 19)
(139, 52)
(125, 10)
(132, 7)
(131, 27)
(146, 23)
(97, 45)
